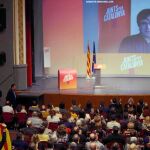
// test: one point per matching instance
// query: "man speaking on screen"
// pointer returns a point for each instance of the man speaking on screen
(138, 43)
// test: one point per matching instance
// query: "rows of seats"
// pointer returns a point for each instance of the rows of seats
(85, 127)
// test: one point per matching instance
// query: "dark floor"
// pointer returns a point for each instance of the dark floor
(113, 85)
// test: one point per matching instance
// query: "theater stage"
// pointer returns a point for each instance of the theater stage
(46, 90)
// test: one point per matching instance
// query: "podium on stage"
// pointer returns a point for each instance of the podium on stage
(67, 79)
(97, 75)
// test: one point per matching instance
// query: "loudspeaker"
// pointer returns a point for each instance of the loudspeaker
(2, 19)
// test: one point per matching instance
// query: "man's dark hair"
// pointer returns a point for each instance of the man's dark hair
(142, 15)
(12, 85)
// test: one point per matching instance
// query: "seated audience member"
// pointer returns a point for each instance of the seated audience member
(35, 120)
(34, 107)
(133, 146)
(62, 108)
(52, 117)
(130, 130)
(19, 143)
(114, 137)
(44, 112)
(112, 123)
(88, 107)
(23, 109)
(40, 137)
(130, 106)
(72, 146)
(146, 126)
(62, 136)
(28, 130)
(147, 143)
(58, 114)
(8, 108)
(139, 107)
(94, 139)
(124, 121)
(145, 111)
(115, 146)
(74, 107)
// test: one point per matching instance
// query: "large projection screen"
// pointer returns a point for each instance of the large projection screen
(70, 25)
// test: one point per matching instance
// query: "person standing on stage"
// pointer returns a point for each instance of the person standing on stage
(11, 95)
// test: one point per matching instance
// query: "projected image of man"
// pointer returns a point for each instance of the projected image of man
(139, 43)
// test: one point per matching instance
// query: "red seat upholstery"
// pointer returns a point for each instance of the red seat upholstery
(8, 117)
(53, 126)
(21, 118)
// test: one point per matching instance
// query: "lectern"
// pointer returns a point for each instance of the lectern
(97, 75)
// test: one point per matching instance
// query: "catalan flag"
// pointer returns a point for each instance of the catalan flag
(88, 63)
(94, 58)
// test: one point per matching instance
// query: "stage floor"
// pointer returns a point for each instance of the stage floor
(109, 86)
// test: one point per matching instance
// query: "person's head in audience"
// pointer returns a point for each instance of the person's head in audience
(113, 117)
(18, 108)
(49, 107)
(146, 142)
(113, 110)
(52, 113)
(115, 146)
(8, 103)
(72, 146)
(114, 100)
(133, 140)
(61, 130)
(35, 114)
(115, 130)
(29, 123)
(76, 138)
(34, 103)
(141, 102)
(130, 101)
(62, 105)
(130, 125)
(43, 108)
(132, 146)
(125, 115)
(76, 130)
(92, 137)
